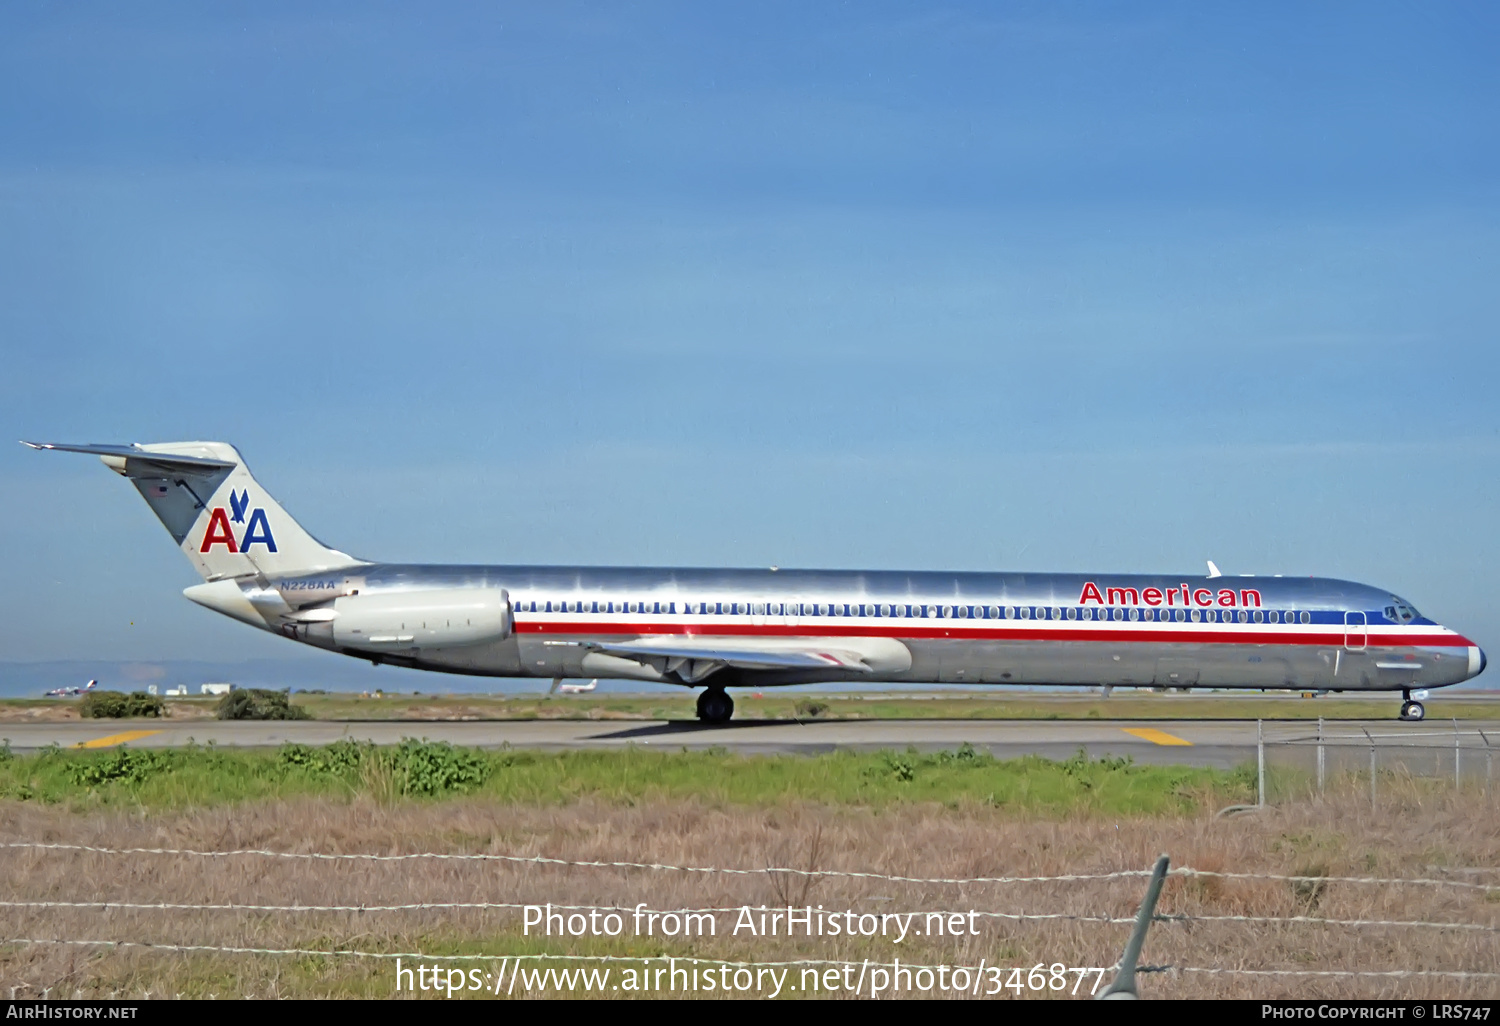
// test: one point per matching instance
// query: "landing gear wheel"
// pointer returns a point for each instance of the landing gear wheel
(1412, 711)
(714, 706)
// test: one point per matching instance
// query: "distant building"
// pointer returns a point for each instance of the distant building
(180, 691)
(216, 689)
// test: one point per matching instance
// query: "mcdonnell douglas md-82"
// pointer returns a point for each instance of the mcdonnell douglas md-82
(762, 628)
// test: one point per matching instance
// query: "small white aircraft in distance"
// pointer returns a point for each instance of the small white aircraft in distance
(71, 692)
(560, 687)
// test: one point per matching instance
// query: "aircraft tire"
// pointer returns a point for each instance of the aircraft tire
(715, 706)
(1413, 711)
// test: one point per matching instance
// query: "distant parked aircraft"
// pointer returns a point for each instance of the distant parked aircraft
(71, 692)
(561, 687)
(715, 628)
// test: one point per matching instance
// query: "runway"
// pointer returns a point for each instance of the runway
(1217, 743)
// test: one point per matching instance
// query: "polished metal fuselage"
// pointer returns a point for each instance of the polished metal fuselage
(968, 628)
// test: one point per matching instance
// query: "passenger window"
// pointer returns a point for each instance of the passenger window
(1306, 616)
(1194, 615)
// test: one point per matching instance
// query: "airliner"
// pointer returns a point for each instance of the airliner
(720, 628)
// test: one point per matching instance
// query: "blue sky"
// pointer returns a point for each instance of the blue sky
(1029, 286)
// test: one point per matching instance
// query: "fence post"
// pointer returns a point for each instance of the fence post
(1489, 761)
(1320, 755)
(1457, 779)
(1123, 988)
(1260, 763)
(1372, 766)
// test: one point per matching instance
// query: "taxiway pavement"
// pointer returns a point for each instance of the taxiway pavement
(1219, 743)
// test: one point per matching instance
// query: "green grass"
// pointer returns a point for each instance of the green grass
(419, 770)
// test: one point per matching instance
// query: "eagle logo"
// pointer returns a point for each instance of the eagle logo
(238, 503)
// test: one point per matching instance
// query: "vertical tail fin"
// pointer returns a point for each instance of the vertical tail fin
(226, 524)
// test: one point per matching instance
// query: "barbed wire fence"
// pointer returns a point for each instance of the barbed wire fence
(1483, 889)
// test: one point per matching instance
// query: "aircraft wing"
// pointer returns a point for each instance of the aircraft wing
(730, 652)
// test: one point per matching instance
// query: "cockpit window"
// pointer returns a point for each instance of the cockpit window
(1400, 612)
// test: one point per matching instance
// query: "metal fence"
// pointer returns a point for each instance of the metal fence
(1295, 761)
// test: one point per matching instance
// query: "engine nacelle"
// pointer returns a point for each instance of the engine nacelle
(448, 618)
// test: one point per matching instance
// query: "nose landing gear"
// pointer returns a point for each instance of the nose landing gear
(715, 706)
(1412, 710)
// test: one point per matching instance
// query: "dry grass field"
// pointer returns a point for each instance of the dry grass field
(1417, 833)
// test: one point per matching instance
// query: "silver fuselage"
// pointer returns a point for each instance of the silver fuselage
(912, 627)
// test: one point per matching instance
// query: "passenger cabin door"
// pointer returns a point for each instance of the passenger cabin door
(1356, 631)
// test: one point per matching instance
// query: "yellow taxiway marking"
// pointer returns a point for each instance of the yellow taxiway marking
(111, 740)
(1156, 737)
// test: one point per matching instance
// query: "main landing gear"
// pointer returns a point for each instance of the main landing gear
(1412, 711)
(715, 706)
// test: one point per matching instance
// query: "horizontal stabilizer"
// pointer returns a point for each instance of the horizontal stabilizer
(136, 454)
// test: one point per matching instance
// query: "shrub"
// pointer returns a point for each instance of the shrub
(436, 767)
(425, 768)
(810, 710)
(126, 764)
(259, 704)
(114, 705)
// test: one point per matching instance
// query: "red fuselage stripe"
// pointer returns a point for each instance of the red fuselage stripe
(1166, 633)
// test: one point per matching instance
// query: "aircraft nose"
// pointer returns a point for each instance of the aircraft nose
(1482, 661)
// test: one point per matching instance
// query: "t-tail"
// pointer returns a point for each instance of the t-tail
(222, 519)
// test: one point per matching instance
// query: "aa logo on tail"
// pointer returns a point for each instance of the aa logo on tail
(219, 532)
